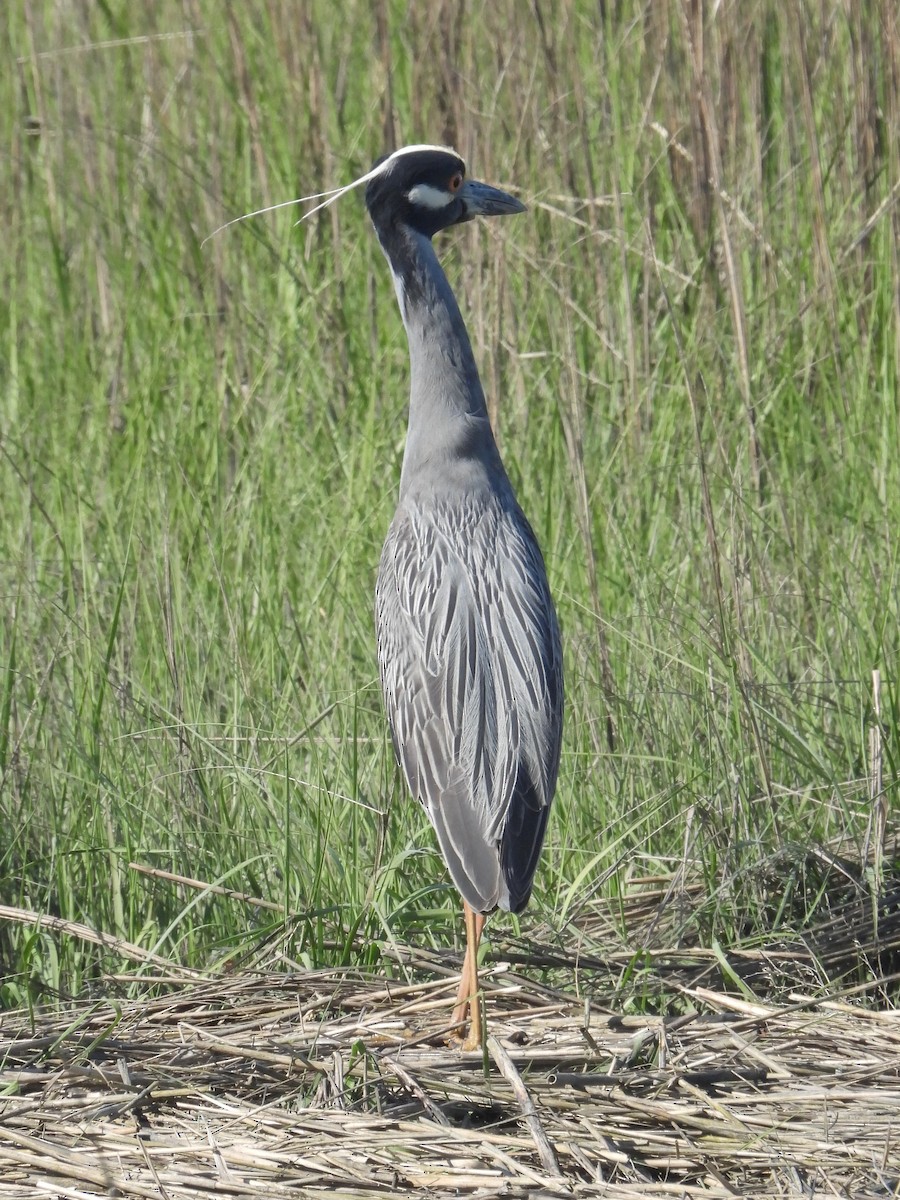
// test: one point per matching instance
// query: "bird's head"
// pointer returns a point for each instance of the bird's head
(425, 188)
(419, 187)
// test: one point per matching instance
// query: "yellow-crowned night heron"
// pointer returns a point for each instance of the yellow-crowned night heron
(468, 642)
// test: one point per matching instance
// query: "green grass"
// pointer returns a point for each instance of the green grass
(697, 398)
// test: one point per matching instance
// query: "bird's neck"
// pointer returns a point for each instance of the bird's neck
(449, 430)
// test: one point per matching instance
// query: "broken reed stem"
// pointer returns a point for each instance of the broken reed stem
(507, 1069)
(213, 888)
(878, 814)
(85, 933)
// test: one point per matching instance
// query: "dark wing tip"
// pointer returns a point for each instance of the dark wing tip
(520, 847)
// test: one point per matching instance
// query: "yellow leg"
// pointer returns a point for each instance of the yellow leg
(464, 991)
(474, 927)
(467, 998)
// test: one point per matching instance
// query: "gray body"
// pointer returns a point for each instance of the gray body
(468, 641)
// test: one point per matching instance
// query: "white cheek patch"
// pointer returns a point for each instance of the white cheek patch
(424, 195)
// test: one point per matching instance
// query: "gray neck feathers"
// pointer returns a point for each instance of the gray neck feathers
(449, 444)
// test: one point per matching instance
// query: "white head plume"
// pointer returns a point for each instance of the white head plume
(328, 198)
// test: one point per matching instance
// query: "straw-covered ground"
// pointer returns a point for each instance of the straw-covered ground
(340, 1082)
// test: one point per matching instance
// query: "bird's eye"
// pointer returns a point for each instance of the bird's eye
(455, 182)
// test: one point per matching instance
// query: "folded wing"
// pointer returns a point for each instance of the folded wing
(472, 677)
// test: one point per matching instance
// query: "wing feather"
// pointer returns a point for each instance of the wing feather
(471, 671)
